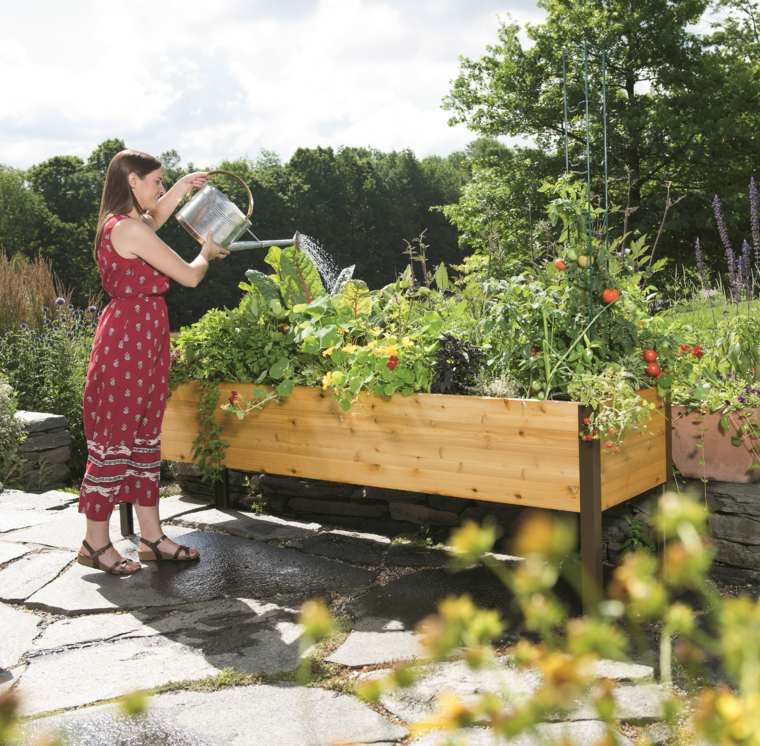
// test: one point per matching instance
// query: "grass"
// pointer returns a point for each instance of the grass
(703, 313)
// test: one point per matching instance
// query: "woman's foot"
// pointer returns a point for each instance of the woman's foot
(106, 558)
(163, 548)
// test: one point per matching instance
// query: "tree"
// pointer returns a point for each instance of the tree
(103, 153)
(681, 107)
(70, 189)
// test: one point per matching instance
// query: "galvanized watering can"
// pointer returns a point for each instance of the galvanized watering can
(211, 210)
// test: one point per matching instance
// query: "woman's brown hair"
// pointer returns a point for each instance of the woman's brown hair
(117, 195)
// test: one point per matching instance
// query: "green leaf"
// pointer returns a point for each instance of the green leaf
(723, 425)
(273, 257)
(277, 370)
(354, 297)
(263, 284)
(441, 277)
(284, 388)
(298, 277)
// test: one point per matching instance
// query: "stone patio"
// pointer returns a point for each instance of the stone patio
(219, 644)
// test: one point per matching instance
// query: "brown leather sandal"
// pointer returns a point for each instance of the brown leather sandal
(156, 555)
(117, 568)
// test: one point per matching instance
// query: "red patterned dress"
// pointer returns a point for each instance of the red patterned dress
(127, 384)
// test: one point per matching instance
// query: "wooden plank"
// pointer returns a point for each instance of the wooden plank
(641, 464)
(515, 458)
(430, 409)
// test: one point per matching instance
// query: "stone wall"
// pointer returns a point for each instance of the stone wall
(45, 453)
(735, 526)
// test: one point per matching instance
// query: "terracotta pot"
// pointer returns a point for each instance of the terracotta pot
(717, 458)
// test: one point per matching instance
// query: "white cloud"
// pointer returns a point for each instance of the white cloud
(229, 78)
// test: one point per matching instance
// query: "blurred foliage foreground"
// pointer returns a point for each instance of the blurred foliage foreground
(710, 645)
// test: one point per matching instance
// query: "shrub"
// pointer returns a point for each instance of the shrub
(12, 435)
(47, 365)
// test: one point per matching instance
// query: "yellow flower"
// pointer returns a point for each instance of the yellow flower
(406, 342)
(327, 380)
(349, 348)
(316, 619)
(329, 351)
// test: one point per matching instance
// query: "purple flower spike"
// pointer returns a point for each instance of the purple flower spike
(733, 279)
(60, 301)
(754, 219)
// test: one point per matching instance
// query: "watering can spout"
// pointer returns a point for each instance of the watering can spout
(244, 245)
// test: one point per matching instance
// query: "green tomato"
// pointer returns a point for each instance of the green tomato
(584, 260)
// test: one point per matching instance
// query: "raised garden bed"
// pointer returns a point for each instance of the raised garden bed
(512, 451)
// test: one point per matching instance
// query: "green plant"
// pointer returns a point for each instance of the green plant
(617, 408)
(12, 435)
(639, 535)
(47, 366)
(208, 446)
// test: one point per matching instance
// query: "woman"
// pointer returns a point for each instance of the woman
(128, 376)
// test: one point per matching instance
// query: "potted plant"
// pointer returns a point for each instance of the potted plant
(716, 395)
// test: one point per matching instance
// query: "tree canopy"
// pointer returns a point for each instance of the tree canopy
(682, 105)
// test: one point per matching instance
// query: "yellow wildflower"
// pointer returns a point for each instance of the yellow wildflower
(327, 352)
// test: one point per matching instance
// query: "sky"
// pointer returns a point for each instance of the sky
(230, 78)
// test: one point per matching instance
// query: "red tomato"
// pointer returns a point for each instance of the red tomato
(654, 370)
(392, 362)
(560, 264)
(610, 295)
(650, 356)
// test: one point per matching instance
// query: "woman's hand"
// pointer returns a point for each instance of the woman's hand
(212, 250)
(195, 180)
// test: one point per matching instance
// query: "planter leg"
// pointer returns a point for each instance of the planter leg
(126, 519)
(669, 479)
(222, 491)
(592, 579)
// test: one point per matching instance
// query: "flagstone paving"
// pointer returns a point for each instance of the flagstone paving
(218, 641)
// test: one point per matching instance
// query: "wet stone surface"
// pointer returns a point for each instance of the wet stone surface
(412, 597)
(229, 566)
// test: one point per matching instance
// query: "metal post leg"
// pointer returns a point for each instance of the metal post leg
(222, 498)
(592, 579)
(126, 519)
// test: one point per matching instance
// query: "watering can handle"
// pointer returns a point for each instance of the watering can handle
(245, 186)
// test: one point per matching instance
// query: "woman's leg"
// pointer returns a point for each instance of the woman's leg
(97, 536)
(150, 529)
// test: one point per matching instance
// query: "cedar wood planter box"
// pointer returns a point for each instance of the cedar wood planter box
(516, 451)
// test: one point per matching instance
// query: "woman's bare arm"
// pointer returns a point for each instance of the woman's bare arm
(132, 238)
(168, 203)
